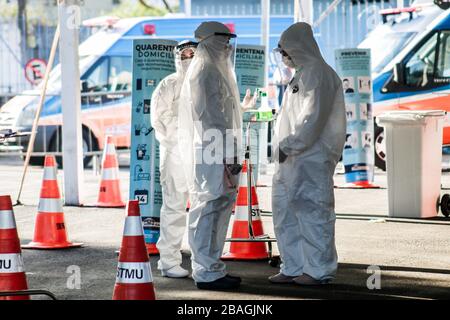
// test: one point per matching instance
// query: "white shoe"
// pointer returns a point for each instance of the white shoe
(175, 272)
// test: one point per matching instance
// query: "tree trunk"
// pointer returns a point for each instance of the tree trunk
(23, 28)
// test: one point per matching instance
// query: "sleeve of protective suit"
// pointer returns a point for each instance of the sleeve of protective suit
(160, 109)
(317, 101)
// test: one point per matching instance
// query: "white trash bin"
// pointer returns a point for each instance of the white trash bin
(413, 161)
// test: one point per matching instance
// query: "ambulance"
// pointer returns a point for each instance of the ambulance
(410, 63)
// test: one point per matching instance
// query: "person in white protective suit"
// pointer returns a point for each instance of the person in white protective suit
(210, 137)
(309, 138)
(164, 119)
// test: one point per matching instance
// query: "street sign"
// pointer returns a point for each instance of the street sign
(35, 71)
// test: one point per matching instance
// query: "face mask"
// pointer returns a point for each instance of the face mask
(185, 64)
(288, 62)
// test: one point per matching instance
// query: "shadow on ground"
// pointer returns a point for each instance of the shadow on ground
(49, 270)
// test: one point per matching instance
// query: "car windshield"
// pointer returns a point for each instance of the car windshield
(385, 46)
(54, 80)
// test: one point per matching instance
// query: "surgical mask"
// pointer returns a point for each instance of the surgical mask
(288, 62)
(185, 64)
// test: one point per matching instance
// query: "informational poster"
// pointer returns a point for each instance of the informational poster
(249, 67)
(153, 60)
(354, 68)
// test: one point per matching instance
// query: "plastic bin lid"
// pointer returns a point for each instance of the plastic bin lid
(408, 117)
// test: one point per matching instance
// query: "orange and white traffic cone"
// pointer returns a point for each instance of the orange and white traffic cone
(50, 227)
(246, 250)
(109, 195)
(12, 274)
(134, 279)
(359, 185)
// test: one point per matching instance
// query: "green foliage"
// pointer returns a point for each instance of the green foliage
(8, 10)
(36, 14)
(127, 10)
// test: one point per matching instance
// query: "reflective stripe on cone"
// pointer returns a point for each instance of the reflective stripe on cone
(134, 272)
(48, 205)
(11, 263)
(133, 226)
(7, 220)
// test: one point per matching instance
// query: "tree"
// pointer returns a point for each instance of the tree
(138, 9)
(144, 3)
(23, 28)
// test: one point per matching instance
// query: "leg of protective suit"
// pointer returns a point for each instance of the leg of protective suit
(287, 229)
(173, 225)
(208, 224)
(316, 216)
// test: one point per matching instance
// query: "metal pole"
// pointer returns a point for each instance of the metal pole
(188, 8)
(265, 36)
(304, 11)
(251, 234)
(71, 102)
(400, 3)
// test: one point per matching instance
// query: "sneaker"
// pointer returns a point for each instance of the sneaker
(224, 283)
(307, 280)
(281, 278)
(175, 272)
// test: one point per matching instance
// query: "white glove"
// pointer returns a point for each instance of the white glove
(249, 101)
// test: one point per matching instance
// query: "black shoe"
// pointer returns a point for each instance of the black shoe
(224, 283)
(237, 279)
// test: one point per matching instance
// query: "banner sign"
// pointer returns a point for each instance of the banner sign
(249, 67)
(354, 68)
(153, 60)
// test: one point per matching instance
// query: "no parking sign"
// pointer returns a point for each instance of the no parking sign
(35, 71)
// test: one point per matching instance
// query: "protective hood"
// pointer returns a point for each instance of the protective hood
(299, 43)
(211, 97)
(180, 64)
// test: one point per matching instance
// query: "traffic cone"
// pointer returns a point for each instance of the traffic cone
(134, 279)
(359, 185)
(12, 274)
(246, 250)
(50, 228)
(109, 194)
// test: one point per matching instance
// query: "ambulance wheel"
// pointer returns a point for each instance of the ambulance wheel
(445, 205)
(379, 148)
(36, 161)
(274, 262)
(89, 144)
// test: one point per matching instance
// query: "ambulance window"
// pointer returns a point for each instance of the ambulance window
(419, 69)
(97, 79)
(120, 77)
(443, 63)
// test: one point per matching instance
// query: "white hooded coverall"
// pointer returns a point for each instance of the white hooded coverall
(164, 119)
(213, 107)
(310, 130)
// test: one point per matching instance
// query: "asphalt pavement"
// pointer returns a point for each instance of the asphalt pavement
(410, 256)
